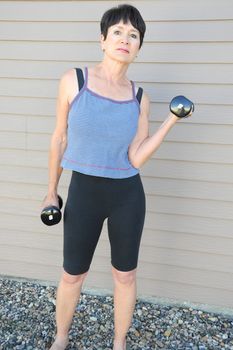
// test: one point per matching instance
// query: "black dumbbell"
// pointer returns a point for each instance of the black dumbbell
(181, 106)
(52, 215)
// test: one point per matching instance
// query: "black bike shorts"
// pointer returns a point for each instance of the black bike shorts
(91, 200)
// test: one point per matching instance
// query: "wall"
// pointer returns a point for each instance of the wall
(187, 245)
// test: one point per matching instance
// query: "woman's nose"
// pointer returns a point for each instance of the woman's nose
(125, 40)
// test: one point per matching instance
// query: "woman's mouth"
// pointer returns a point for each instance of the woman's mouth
(123, 50)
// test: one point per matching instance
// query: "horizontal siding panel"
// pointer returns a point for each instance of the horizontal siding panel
(20, 123)
(185, 31)
(139, 72)
(187, 188)
(89, 52)
(169, 150)
(83, 10)
(173, 273)
(24, 140)
(47, 257)
(48, 241)
(198, 152)
(57, 31)
(27, 106)
(152, 186)
(14, 139)
(25, 208)
(179, 72)
(30, 88)
(187, 259)
(188, 31)
(39, 142)
(181, 132)
(41, 124)
(28, 191)
(196, 277)
(185, 292)
(188, 170)
(162, 92)
(30, 270)
(13, 123)
(163, 240)
(40, 256)
(32, 240)
(189, 224)
(154, 221)
(36, 176)
(24, 158)
(25, 223)
(188, 206)
(199, 93)
(155, 204)
(219, 173)
(200, 243)
(34, 69)
(24, 175)
(160, 255)
(188, 132)
(204, 114)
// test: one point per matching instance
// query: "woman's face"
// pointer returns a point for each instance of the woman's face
(122, 42)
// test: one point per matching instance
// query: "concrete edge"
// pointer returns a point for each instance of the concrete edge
(220, 310)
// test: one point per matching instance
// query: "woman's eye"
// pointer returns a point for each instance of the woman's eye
(132, 35)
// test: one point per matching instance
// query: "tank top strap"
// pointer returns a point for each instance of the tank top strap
(139, 92)
(139, 95)
(81, 80)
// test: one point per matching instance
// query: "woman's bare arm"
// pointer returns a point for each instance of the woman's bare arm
(58, 141)
(143, 145)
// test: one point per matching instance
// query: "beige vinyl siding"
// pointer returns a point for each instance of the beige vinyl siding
(187, 244)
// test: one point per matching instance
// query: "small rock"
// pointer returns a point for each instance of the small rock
(93, 318)
(167, 333)
(139, 312)
(28, 322)
(213, 319)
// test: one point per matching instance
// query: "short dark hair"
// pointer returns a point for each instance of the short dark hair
(126, 13)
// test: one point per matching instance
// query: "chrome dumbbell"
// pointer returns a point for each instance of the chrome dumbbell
(52, 215)
(181, 106)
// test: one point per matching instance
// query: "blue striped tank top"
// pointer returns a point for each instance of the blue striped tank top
(99, 132)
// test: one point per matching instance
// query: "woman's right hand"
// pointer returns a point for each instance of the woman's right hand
(50, 199)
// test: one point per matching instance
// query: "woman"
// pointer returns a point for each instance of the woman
(102, 135)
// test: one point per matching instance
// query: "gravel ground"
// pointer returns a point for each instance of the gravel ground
(27, 312)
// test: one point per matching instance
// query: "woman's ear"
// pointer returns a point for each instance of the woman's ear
(102, 41)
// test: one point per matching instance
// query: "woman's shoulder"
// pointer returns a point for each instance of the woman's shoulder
(70, 76)
(69, 83)
(67, 74)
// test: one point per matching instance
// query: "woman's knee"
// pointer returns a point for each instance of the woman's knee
(124, 277)
(71, 279)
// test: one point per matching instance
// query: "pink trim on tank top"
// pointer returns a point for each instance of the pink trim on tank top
(85, 88)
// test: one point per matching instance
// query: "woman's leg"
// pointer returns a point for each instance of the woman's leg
(68, 294)
(83, 221)
(125, 290)
(125, 226)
